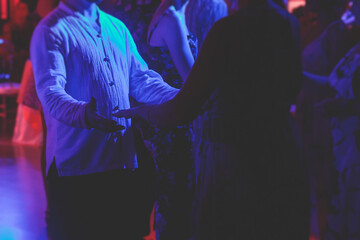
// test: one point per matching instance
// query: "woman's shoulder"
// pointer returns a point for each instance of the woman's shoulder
(170, 21)
(170, 16)
(167, 26)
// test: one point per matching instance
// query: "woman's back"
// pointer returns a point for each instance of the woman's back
(250, 167)
(260, 60)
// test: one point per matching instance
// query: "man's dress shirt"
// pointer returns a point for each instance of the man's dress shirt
(73, 62)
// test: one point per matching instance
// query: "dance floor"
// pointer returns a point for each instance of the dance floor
(22, 194)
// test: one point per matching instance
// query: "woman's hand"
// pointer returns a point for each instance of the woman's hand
(96, 121)
(142, 111)
(127, 113)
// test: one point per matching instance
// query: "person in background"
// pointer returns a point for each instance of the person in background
(172, 50)
(233, 6)
(44, 7)
(318, 15)
(83, 58)
(170, 16)
(251, 183)
(136, 15)
(343, 110)
(341, 114)
(18, 31)
(30, 115)
(202, 14)
(320, 57)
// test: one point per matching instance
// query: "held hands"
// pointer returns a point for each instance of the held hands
(94, 120)
(142, 111)
(127, 113)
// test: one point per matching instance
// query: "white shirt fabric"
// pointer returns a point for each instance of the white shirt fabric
(72, 62)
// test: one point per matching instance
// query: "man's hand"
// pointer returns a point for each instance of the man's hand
(94, 120)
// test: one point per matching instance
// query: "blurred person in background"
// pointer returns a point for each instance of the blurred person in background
(18, 31)
(44, 7)
(320, 57)
(339, 176)
(30, 127)
(319, 14)
(136, 14)
(202, 14)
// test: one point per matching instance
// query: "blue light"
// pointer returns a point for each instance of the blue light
(7, 234)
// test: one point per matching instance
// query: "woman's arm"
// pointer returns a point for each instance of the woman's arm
(186, 105)
(173, 32)
(313, 78)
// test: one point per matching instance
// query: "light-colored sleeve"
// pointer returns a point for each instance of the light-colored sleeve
(47, 56)
(146, 86)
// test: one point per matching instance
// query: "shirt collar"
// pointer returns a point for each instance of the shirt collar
(77, 14)
(71, 11)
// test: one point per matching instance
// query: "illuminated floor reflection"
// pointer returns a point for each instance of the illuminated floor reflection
(22, 195)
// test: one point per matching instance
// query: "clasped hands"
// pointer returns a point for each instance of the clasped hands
(142, 111)
(95, 120)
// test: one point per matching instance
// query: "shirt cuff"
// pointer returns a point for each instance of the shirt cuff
(82, 117)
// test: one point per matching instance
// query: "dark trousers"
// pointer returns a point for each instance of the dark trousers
(104, 205)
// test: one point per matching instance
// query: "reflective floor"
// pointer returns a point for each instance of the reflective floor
(22, 194)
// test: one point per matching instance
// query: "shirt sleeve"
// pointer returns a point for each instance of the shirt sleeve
(47, 56)
(146, 86)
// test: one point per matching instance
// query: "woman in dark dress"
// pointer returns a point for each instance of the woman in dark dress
(251, 183)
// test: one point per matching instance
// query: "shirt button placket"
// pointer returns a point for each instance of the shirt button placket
(106, 58)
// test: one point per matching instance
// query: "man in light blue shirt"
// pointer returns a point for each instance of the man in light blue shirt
(80, 54)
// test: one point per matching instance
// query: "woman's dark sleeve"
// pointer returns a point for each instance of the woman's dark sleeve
(201, 82)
